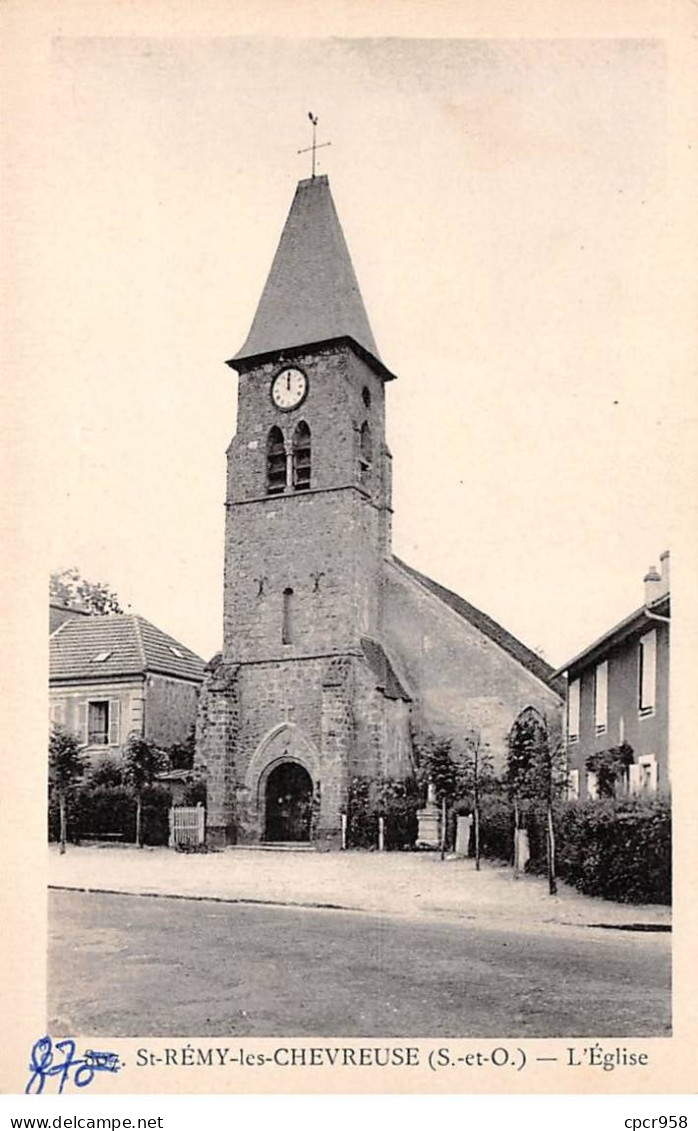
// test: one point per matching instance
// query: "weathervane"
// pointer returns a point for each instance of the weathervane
(312, 148)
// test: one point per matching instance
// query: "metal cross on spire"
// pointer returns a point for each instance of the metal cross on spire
(314, 147)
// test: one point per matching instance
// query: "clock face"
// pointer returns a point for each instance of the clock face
(289, 388)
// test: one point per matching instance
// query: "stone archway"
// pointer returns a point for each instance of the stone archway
(288, 803)
(283, 745)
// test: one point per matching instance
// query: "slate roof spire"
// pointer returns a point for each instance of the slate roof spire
(311, 295)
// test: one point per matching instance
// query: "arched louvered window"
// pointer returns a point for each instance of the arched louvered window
(276, 462)
(365, 454)
(301, 457)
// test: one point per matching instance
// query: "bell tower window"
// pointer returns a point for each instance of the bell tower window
(301, 457)
(287, 618)
(276, 462)
(365, 454)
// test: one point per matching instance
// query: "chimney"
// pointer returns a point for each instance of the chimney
(664, 570)
(653, 586)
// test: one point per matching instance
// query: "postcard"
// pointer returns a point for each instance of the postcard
(351, 405)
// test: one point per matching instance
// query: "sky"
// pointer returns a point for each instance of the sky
(508, 208)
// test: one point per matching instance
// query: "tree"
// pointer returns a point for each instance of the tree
(526, 746)
(477, 772)
(610, 767)
(67, 764)
(68, 588)
(142, 761)
(436, 767)
(536, 771)
(181, 754)
(552, 774)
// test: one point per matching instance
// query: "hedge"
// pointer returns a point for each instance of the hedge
(617, 849)
(396, 801)
(110, 812)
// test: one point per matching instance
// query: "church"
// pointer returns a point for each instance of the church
(335, 652)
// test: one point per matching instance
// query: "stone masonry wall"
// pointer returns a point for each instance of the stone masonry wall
(216, 735)
(326, 543)
(171, 707)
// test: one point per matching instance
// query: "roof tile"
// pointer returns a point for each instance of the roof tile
(525, 656)
(133, 646)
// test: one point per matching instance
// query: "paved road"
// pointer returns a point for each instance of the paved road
(123, 965)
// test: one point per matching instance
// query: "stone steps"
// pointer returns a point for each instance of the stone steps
(276, 846)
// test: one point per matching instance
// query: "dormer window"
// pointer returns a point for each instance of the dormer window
(101, 657)
(301, 457)
(276, 462)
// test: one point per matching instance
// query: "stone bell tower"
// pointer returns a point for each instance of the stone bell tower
(303, 695)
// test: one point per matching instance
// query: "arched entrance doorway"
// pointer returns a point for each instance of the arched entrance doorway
(288, 803)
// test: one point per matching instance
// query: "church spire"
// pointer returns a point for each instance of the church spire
(311, 295)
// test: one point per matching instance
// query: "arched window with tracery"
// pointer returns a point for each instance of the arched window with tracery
(365, 454)
(301, 457)
(276, 462)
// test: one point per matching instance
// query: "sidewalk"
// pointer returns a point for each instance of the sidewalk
(412, 884)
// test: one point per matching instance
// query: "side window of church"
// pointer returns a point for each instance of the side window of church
(301, 457)
(276, 462)
(365, 454)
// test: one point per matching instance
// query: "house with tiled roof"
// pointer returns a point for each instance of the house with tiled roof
(113, 675)
(617, 732)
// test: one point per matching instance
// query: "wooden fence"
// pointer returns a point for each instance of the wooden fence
(187, 825)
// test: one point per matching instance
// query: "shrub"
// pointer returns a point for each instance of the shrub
(618, 849)
(396, 801)
(362, 821)
(496, 827)
(107, 772)
(54, 820)
(103, 811)
(195, 793)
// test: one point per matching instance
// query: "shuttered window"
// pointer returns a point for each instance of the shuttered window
(573, 785)
(114, 722)
(57, 714)
(573, 711)
(103, 722)
(648, 673)
(276, 462)
(301, 457)
(98, 723)
(601, 697)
